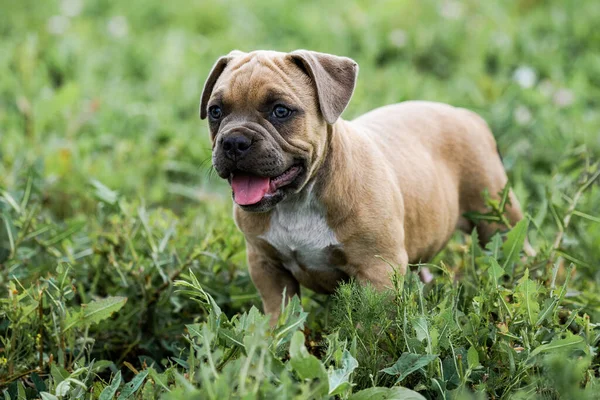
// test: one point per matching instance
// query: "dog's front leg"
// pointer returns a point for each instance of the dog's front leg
(271, 279)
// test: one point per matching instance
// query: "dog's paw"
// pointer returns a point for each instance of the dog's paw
(425, 275)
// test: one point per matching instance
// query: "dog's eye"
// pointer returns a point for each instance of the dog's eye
(281, 112)
(215, 112)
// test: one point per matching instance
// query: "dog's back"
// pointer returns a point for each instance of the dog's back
(439, 152)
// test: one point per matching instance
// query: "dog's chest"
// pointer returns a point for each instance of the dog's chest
(299, 232)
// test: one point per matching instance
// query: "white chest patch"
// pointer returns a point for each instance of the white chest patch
(299, 232)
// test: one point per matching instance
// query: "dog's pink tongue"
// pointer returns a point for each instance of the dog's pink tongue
(249, 189)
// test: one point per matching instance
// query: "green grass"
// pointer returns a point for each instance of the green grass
(120, 264)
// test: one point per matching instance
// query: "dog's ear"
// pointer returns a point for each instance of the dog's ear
(334, 78)
(213, 76)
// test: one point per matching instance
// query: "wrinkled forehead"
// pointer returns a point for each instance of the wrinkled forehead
(262, 78)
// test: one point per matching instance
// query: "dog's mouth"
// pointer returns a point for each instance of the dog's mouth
(250, 189)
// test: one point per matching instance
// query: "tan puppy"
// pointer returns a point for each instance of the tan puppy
(317, 197)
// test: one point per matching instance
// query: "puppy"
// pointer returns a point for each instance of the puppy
(318, 197)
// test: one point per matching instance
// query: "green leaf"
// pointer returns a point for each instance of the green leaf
(475, 252)
(65, 97)
(10, 200)
(291, 319)
(495, 271)
(473, 357)
(63, 388)
(450, 370)
(494, 245)
(11, 393)
(58, 373)
(148, 391)
(526, 293)
(21, 391)
(9, 230)
(339, 379)
(557, 345)
(39, 384)
(382, 393)
(109, 391)
(195, 330)
(48, 396)
(66, 233)
(422, 331)
(130, 388)
(304, 364)
(102, 365)
(549, 307)
(160, 379)
(504, 197)
(446, 325)
(586, 216)
(409, 363)
(514, 244)
(194, 289)
(96, 311)
(574, 260)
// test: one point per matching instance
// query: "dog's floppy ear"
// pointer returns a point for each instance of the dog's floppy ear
(213, 76)
(334, 78)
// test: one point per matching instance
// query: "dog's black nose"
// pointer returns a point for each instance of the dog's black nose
(235, 147)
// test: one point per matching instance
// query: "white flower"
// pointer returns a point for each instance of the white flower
(546, 88)
(398, 38)
(451, 9)
(522, 115)
(525, 77)
(563, 97)
(71, 8)
(118, 27)
(501, 39)
(58, 24)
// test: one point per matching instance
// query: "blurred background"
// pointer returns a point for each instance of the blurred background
(104, 163)
(109, 90)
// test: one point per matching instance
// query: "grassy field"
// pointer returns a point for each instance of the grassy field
(121, 271)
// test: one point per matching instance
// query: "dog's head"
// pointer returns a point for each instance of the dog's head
(268, 114)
